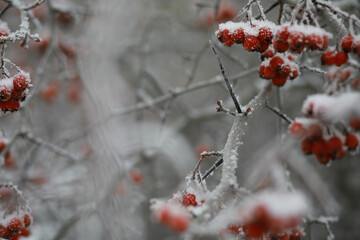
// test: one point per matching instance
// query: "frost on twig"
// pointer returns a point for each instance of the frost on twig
(230, 152)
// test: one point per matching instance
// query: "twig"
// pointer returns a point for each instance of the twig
(232, 94)
(282, 115)
(202, 157)
(5, 9)
(210, 170)
(274, 5)
(179, 91)
(49, 146)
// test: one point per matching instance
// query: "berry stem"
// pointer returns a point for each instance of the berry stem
(232, 94)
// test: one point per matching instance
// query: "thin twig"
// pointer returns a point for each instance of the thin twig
(232, 94)
(274, 5)
(282, 115)
(210, 170)
(5, 9)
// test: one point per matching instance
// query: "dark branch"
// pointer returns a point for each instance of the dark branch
(210, 170)
(282, 115)
(232, 94)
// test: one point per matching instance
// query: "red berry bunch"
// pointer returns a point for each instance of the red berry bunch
(264, 226)
(255, 36)
(13, 91)
(325, 147)
(279, 68)
(351, 44)
(332, 57)
(296, 37)
(16, 227)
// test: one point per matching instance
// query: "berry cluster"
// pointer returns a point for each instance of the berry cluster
(296, 37)
(351, 44)
(16, 228)
(324, 126)
(332, 57)
(278, 68)
(267, 38)
(324, 147)
(255, 36)
(262, 224)
(13, 91)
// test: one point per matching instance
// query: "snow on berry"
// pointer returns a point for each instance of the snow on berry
(4, 29)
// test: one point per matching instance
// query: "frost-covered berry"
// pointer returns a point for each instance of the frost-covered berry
(269, 72)
(5, 233)
(225, 38)
(20, 82)
(189, 200)
(297, 130)
(280, 46)
(5, 93)
(251, 43)
(238, 36)
(296, 41)
(265, 35)
(27, 220)
(15, 225)
(346, 43)
(276, 62)
(334, 145)
(269, 53)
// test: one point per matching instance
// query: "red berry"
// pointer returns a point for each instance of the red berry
(297, 129)
(328, 58)
(25, 232)
(269, 53)
(189, 199)
(238, 36)
(282, 34)
(27, 220)
(5, 232)
(179, 223)
(341, 58)
(225, 38)
(279, 80)
(351, 141)
(15, 225)
(285, 70)
(296, 41)
(265, 35)
(5, 93)
(254, 230)
(251, 43)
(263, 47)
(20, 82)
(294, 73)
(334, 145)
(276, 62)
(346, 43)
(280, 46)
(269, 72)
(314, 41)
